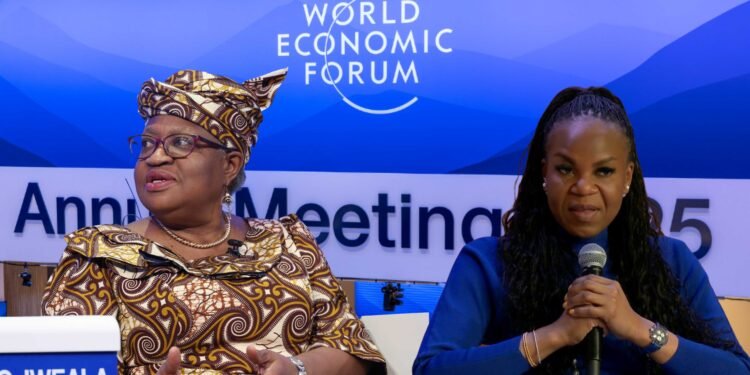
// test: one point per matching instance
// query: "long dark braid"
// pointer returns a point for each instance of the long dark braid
(538, 256)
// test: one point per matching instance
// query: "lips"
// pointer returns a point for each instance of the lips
(583, 212)
(157, 180)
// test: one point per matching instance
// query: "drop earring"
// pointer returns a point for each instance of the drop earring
(544, 185)
(227, 199)
(627, 189)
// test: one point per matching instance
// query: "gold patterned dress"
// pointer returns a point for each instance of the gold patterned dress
(277, 292)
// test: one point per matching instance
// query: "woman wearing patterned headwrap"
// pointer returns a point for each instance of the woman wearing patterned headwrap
(184, 302)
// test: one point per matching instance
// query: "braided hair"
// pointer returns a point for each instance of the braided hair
(539, 262)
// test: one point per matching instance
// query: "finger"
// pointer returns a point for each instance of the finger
(587, 298)
(583, 297)
(172, 365)
(598, 323)
(588, 311)
(267, 361)
(605, 330)
(591, 279)
(600, 279)
(595, 324)
(253, 354)
(591, 284)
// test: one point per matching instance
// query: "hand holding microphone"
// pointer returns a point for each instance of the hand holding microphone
(593, 307)
(595, 297)
(569, 330)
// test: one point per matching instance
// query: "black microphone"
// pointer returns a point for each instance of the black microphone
(592, 258)
(234, 247)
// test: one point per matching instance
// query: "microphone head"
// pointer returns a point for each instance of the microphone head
(592, 255)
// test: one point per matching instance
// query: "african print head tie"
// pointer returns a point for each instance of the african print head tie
(228, 110)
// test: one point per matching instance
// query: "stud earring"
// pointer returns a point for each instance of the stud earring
(544, 185)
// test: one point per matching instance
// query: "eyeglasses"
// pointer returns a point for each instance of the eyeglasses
(176, 146)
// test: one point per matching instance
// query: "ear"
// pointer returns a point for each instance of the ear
(544, 167)
(628, 177)
(629, 173)
(233, 164)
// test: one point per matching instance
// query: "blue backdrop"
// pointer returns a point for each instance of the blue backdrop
(69, 73)
(423, 106)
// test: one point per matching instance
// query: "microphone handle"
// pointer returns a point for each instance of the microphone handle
(593, 340)
(593, 349)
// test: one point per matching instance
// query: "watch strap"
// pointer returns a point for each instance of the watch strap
(650, 348)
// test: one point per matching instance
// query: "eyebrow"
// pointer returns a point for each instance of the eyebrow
(600, 162)
(148, 131)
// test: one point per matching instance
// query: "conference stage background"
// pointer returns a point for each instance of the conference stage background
(400, 130)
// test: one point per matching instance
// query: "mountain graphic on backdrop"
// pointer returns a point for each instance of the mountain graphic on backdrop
(712, 52)
(713, 131)
(50, 43)
(15, 156)
(509, 161)
(98, 113)
(600, 53)
(667, 95)
(401, 143)
(42, 135)
(456, 90)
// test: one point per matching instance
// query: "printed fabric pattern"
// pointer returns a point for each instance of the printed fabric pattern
(277, 294)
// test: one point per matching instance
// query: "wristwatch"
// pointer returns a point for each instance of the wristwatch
(659, 337)
(300, 365)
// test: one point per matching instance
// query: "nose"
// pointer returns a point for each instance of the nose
(584, 186)
(159, 156)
